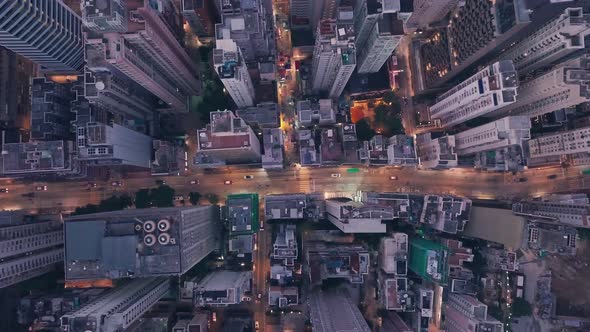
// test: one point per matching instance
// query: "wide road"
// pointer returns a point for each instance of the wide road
(461, 182)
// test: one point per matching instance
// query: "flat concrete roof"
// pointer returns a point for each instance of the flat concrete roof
(496, 225)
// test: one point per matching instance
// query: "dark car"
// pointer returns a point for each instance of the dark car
(522, 179)
(552, 176)
(4, 190)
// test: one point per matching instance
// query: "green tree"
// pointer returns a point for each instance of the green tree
(113, 203)
(162, 196)
(364, 132)
(390, 97)
(143, 199)
(194, 197)
(520, 307)
(212, 198)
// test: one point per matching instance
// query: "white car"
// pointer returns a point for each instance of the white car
(246, 299)
(256, 326)
(248, 177)
(336, 175)
(178, 198)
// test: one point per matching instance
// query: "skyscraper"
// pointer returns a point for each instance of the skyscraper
(380, 44)
(29, 246)
(559, 144)
(427, 12)
(15, 76)
(334, 55)
(139, 242)
(47, 33)
(554, 40)
(327, 307)
(564, 86)
(104, 15)
(489, 90)
(233, 73)
(508, 131)
(51, 109)
(118, 308)
(149, 53)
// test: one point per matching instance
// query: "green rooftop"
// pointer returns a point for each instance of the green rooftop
(430, 260)
(243, 218)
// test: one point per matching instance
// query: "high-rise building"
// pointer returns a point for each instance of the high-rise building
(29, 246)
(490, 89)
(50, 109)
(556, 209)
(53, 34)
(226, 140)
(427, 12)
(436, 152)
(200, 15)
(478, 28)
(39, 157)
(104, 15)
(15, 77)
(327, 308)
(380, 44)
(139, 242)
(560, 144)
(114, 92)
(118, 308)
(245, 23)
(233, 73)
(508, 131)
(334, 56)
(551, 42)
(564, 86)
(113, 145)
(149, 54)
(465, 313)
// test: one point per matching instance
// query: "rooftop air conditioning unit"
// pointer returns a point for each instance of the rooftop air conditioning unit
(149, 226)
(149, 240)
(163, 225)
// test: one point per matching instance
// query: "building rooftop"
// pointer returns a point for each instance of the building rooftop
(36, 157)
(168, 157)
(394, 254)
(120, 244)
(331, 146)
(224, 132)
(496, 225)
(294, 206)
(262, 115)
(334, 310)
(222, 280)
(407, 207)
(273, 156)
(322, 112)
(429, 260)
(308, 148)
(551, 237)
(446, 214)
(243, 213)
(349, 262)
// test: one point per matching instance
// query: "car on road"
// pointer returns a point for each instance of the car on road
(214, 316)
(91, 185)
(256, 325)
(194, 182)
(246, 299)
(522, 179)
(552, 176)
(405, 99)
(160, 182)
(227, 182)
(4, 190)
(259, 296)
(336, 175)
(116, 183)
(393, 177)
(41, 188)
(178, 198)
(248, 177)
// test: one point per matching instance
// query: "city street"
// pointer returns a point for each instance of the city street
(463, 182)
